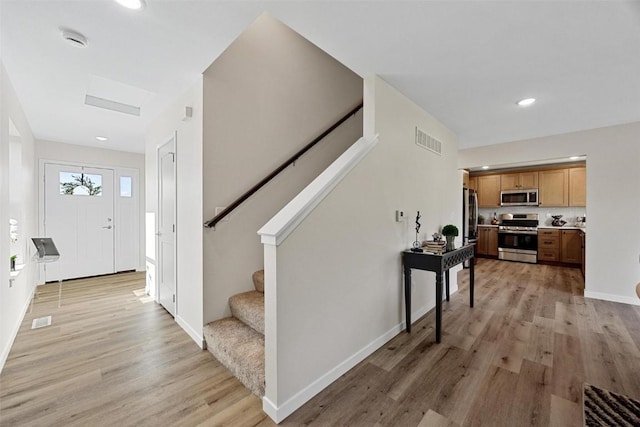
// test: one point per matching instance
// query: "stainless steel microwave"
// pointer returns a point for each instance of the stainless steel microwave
(519, 197)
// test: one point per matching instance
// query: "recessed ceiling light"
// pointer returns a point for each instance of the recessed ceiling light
(574, 157)
(74, 38)
(101, 138)
(526, 102)
(485, 167)
(132, 4)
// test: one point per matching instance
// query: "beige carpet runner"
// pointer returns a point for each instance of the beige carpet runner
(238, 341)
(604, 408)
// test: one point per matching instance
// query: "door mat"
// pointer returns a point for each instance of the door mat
(605, 408)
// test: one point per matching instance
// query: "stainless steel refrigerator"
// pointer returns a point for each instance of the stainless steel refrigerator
(469, 217)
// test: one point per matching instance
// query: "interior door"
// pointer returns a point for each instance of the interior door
(167, 226)
(78, 215)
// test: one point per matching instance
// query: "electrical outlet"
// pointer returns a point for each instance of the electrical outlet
(400, 216)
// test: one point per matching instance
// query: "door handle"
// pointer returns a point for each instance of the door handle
(108, 227)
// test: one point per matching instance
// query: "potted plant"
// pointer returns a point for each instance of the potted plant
(480, 219)
(450, 232)
(13, 262)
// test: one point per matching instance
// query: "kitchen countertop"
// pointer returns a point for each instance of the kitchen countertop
(564, 227)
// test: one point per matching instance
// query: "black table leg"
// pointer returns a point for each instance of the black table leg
(407, 297)
(446, 278)
(471, 280)
(438, 305)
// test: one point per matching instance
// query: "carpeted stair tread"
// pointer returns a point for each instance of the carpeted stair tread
(248, 307)
(240, 349)
(258, 280)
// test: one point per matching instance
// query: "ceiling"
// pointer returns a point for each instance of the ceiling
(465, 62)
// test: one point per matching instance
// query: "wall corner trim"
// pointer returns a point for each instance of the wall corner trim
(284, 222)
(195, 336)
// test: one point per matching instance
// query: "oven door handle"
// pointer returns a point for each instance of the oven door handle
(529, 233)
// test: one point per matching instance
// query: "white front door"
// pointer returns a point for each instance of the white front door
(167, 226)
(78, 215)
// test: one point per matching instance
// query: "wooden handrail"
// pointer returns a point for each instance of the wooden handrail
(212, 222)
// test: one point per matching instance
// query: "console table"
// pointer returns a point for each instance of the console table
(439, 264)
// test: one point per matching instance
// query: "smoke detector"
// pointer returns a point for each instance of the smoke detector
(74, 38)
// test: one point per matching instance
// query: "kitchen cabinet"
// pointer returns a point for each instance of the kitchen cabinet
(473, 183)
(519, 181)
(571, 252)
(487, 243)
(554, 187)
(488, 191)
(548, 244)
(559, 245)
(578, 187)
(583, 238)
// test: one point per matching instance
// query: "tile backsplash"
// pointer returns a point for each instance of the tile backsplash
(544, 214)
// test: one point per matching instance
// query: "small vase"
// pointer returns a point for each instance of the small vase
(450, 243)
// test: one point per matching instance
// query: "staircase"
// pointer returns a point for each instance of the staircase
(238, 341)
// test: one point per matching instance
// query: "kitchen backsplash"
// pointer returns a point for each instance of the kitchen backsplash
(544, 214)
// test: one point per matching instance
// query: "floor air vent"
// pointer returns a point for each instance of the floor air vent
(41, 322)
(428, 142)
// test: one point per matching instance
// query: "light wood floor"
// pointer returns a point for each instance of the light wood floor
(518, 358)
(112, 357)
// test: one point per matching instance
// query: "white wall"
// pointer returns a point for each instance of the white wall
(121, 161)
(339, 288)
(15, 297)
(270, 93)
(189, 204)
(613, 199)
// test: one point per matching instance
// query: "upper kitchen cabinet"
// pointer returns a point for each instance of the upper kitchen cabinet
(488, 191)
(578, 187)
(518, 181)
(554, 187)
(473, 183)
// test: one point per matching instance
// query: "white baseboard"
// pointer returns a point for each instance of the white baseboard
(14, 331)
(197, 337)
(611, 297)
(278, 414)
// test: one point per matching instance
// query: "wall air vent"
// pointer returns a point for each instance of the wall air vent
(428, 142)
(41, 322)
(108, 104)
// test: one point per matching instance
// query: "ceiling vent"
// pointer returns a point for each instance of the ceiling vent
(108, 104)
(428, 142)
(74, 38)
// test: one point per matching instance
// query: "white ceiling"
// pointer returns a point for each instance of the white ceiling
(465, 62)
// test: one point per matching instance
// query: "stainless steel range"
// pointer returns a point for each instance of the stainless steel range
(518, 237)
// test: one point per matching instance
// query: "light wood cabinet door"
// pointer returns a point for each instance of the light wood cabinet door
(487, 243)
(489, 191)
(519, 181)
(578, 187)
(571, 251)
(481, 243)
(492, 241)
(473, 183)
(509, 181)
(554, 187)
(528, 180)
